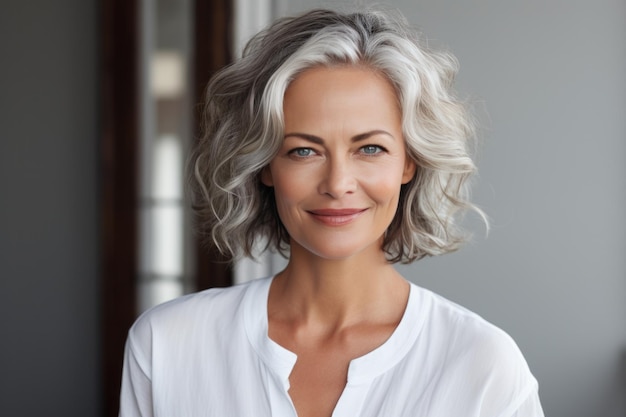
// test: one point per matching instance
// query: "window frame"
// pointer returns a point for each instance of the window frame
(119, 168)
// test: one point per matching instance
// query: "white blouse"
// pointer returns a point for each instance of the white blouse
(209, 354)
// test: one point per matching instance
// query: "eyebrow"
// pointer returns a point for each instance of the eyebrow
(356, 138)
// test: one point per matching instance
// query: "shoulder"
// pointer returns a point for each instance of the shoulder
(473, 350)
(214, 310)
(472, 334)
(193, 305)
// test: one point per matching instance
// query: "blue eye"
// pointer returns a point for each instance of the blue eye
(371, 149)
(302, 152)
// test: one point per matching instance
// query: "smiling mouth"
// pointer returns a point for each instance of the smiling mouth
(336, 217)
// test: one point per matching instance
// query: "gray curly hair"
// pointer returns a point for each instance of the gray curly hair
(243, 130)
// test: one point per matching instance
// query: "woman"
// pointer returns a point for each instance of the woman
(337, 140)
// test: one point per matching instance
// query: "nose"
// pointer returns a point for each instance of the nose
(338, 179)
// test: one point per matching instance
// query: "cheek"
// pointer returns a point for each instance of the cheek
(293, 181)
(283, 182)
(383, 187)
(288, 191)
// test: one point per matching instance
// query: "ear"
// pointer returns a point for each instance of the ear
(266, 176)
(409, 170)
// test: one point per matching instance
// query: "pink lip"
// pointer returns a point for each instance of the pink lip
(336, 217)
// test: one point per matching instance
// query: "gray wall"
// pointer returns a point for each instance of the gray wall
(48, 209)
(553, 179)
(552, 273)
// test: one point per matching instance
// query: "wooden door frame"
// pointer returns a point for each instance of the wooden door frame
(213, 50)
(119, 150)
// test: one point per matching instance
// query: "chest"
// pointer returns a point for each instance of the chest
(319, 376)
(247, 385)
(317, 382)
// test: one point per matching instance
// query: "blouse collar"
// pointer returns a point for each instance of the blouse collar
(362, 369)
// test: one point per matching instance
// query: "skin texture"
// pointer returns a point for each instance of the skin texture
(337, 182)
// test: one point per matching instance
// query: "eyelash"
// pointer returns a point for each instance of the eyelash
(294, 152)
(378, 150)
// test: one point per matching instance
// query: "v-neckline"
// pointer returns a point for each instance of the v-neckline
(362, 370)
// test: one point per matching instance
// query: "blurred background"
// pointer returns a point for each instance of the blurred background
(99, 105)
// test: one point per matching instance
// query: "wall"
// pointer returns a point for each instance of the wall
(553, 179)
(48, 209)
(552, 272)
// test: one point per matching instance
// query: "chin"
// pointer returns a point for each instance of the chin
(339, 251)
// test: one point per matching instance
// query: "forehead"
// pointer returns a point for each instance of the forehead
(341, 76)
(341, 95)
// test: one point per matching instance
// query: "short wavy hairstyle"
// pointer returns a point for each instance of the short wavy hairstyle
(243, 130)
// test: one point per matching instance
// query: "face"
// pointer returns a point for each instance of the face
(338, 174)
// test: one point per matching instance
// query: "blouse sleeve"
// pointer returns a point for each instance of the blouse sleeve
(496, 366)
(530, 407)
(510, 389)
(136, 391)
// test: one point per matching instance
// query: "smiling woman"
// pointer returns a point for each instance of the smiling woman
(245, 128)
(337, 138)
(338, 173)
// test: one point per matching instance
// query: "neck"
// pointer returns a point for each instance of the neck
(336, 292)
